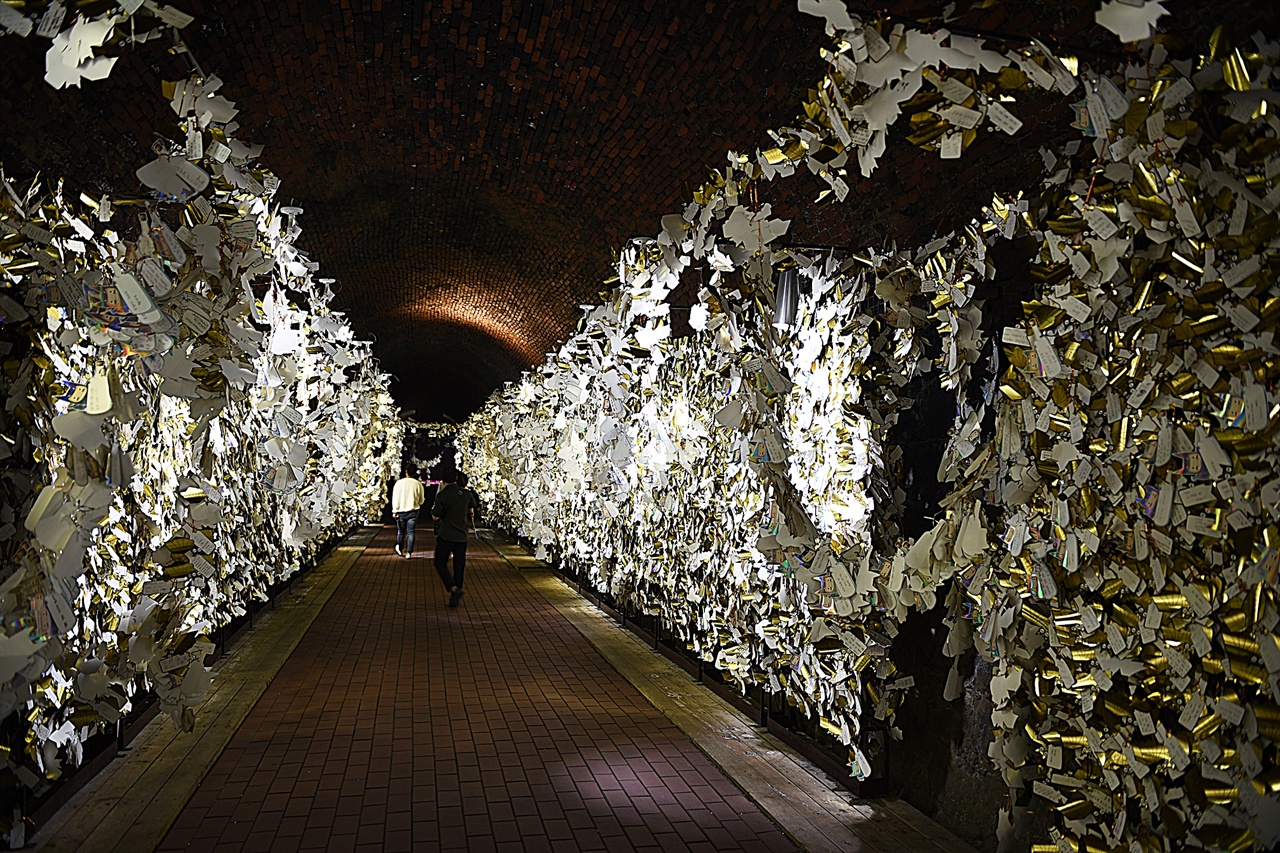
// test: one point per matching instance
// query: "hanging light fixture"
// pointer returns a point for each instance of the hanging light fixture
(786, 298)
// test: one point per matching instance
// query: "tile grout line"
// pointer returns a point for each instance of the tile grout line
(252, 684)
(246, 672)
(577, 613)
(764, 793)
(574, 615)
(408, 725)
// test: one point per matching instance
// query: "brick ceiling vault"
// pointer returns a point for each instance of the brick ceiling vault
(468, 169)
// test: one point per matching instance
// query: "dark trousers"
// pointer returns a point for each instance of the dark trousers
(459, 550)
(405, 522)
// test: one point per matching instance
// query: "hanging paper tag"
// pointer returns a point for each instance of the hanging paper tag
(1002, 118)
(1050, 367)
(195, 138)
(152, 272)
(99, 400)
(1100, 223)
(202, 565)
(134, 295)
(950, 149)
(51, 22)
(59, 604)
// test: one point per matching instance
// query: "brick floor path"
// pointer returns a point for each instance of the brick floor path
(400, 724)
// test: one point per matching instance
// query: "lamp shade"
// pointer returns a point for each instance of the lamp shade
(786, 298)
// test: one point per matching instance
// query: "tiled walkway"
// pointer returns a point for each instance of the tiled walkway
(400, 724)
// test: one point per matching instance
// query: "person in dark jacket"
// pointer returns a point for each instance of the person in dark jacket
(454, 509)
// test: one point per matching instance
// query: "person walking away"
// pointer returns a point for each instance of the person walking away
(407, 496)
(455, 505)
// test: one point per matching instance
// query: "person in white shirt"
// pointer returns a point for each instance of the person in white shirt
(407, 496)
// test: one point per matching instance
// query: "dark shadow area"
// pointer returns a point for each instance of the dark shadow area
(941, 766)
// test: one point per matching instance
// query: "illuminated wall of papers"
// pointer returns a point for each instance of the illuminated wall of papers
(186, 422)
(1108, 540)
(435, 440)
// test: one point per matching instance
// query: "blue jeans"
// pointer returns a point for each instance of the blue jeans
(405, 522)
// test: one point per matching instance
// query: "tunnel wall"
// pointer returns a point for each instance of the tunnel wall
(746, 483)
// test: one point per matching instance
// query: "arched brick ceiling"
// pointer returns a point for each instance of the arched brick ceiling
(468, 168)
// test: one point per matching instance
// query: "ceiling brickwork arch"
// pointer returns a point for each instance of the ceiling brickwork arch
(468, 169)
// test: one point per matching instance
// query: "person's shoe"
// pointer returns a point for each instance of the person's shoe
(398, 551)
(455, 597)
(407, 556)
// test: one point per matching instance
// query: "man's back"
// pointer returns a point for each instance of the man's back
(406, 495)
(453, 507)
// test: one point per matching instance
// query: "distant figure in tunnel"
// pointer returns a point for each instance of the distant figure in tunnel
(407, 496)
(455, 506)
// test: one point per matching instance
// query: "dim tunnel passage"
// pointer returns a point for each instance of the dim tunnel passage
(399, 723)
